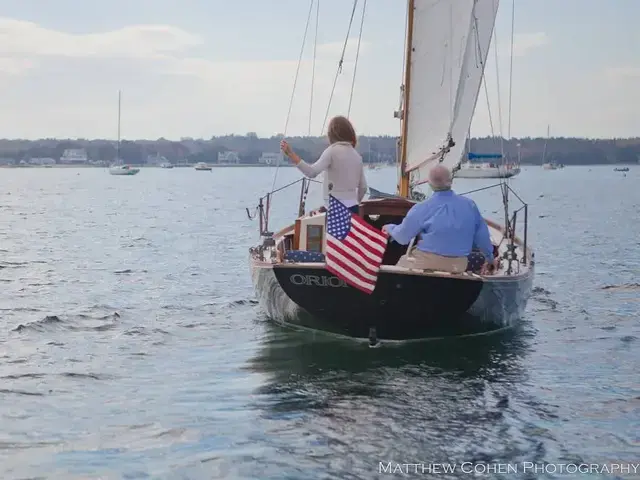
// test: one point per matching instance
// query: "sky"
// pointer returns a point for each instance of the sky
(198, 68)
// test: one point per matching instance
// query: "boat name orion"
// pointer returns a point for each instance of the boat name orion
(317, 280)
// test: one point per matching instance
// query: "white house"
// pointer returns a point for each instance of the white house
(268, 158)
(42, 161)
(74, 155)
(156, 159)
(228, 157)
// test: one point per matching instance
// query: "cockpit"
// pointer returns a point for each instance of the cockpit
(307, 241)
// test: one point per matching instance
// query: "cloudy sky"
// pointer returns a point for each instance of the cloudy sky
(197, 68)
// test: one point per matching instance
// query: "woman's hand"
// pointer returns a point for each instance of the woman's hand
(318, 211)
(286, 148)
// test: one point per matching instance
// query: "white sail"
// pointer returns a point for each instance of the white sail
(450, 43)
(477, 50)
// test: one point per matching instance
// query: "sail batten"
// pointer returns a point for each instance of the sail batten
(450, 43)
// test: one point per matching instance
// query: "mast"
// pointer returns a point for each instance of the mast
(544, 150)
(403, 187)
(118, 144)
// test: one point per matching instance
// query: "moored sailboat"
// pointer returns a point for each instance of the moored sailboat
(118, 167)
(289, 268)
(487, 169)
(487, 165)
(549, 165)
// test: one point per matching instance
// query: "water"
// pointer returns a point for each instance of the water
(131, 347)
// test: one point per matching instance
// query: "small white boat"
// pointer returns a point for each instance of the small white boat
(123, 170)
(552, 166)
(202, 166)
(166, 165)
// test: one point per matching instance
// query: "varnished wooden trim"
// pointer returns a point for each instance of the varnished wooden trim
(284, 232)
(404, 176)
(296, 235)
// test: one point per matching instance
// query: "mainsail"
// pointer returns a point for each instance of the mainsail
(450, 41)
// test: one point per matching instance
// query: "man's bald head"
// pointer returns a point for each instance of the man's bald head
(440, 178)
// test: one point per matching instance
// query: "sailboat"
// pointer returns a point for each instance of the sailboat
(479, 165)
(549, 165)
(118, 168)
(288, 267)
(486, 169)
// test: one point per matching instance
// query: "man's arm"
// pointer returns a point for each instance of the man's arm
(482, 238)
(409, 228)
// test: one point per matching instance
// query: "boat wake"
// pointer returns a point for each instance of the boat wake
(80, 322)
(623, 286)
(541, 296)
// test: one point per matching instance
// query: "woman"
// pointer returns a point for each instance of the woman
(342, 164)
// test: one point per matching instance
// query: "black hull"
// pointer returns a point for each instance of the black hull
(402, 307)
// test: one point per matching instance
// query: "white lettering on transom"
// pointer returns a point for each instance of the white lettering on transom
(317, 280)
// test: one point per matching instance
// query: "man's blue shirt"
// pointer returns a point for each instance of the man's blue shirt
(449, 225)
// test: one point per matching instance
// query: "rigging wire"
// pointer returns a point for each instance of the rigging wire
(484, 83)
(484, 80)
(486, 94)
(355, 67)
(495, 56)
(335, 79)
(313, 65)
(513, 14)
(505, 182)
(295, 82)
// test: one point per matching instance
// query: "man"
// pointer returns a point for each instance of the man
(449, 226)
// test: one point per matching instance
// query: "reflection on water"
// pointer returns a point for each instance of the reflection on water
(339, 405)
(312, 355)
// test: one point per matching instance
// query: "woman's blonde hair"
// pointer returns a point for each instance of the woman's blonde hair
(341, 130)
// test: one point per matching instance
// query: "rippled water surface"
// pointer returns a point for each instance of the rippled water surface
(131, 345)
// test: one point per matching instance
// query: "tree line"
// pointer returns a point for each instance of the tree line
(568, 151)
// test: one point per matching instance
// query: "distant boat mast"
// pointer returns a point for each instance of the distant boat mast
(544, 149)
(118, 144)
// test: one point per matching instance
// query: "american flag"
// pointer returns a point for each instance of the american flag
(354, 248)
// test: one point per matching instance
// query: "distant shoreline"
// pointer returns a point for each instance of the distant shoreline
(252, 150)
